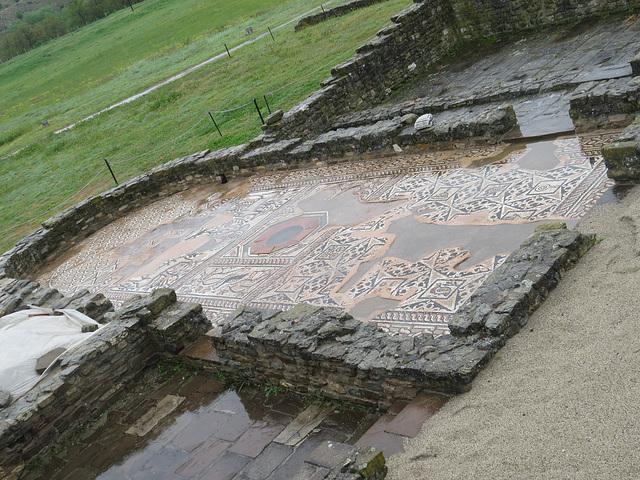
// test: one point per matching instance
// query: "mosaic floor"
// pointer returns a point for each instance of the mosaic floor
(402, 241)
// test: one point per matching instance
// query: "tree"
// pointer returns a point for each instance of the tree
(53, 26)
(75, 14)
(32, 18)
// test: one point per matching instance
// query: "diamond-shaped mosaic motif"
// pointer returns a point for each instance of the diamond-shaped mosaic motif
(326, 235)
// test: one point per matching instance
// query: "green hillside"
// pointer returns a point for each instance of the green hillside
(65, 80)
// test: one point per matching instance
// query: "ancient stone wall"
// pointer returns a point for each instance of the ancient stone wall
(337, 11)
(90, 375)
(605, 104)
(322, 351)
(622, 156)
(74, 224)
(419, 37)
(311, 349)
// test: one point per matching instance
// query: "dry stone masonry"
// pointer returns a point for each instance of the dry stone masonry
(337, 11)
(327, 351)
(90, 375)
(622, 157)
(607, 103)
(327, 123)
(311, 349)
(419, 37)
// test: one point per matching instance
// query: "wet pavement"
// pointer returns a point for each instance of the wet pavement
(402, 241)
(538, 71)
(178, 423)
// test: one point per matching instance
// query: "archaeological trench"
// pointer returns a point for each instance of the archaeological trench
(374, 247)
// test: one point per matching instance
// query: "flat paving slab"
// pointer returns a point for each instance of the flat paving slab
(181, 435)
(303, 424)
(543, 67)
(153, 416)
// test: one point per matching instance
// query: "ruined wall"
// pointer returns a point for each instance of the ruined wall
(419, 37)
(622, 156)
(93, 373)
(605, 104)
(65, 229)
(323, 351)
(328, 352)
(337, 11)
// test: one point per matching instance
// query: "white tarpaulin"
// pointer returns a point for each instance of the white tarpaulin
(27, 335)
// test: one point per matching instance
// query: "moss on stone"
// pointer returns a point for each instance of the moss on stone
(551, 226)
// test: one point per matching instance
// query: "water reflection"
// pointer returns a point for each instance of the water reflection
(408, 237)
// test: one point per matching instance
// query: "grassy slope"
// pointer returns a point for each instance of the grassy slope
(119, 52)
(140, 135)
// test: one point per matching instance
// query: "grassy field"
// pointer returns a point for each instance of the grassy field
(52, 172)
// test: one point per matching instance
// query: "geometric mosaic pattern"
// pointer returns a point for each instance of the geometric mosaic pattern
(322, 235)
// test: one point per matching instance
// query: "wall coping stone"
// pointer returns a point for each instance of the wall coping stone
(337, 11)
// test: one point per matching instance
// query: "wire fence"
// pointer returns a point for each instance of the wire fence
(203, 117)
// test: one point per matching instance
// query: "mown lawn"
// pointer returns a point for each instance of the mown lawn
(55, 171)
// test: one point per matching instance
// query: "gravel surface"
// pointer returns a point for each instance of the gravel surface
(562, 399)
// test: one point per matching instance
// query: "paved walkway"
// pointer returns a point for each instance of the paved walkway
(545, 67)
(560, 401)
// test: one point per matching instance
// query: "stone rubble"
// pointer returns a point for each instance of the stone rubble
(313, 349)
(90, 375)
(19, 294)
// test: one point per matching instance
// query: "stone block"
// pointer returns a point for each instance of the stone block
(409, 421)
(47, 359)
(296, 432)
(274, 117)
(331, 454)
(5, 399)
(635, 65)
(153, 416)
(370, 464)
(623, 160)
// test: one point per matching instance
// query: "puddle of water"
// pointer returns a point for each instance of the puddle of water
(344, 207)
(614, 194)
(210, 426)
(416, 232)
(285, 235)
(540, 156)
(369, 308)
